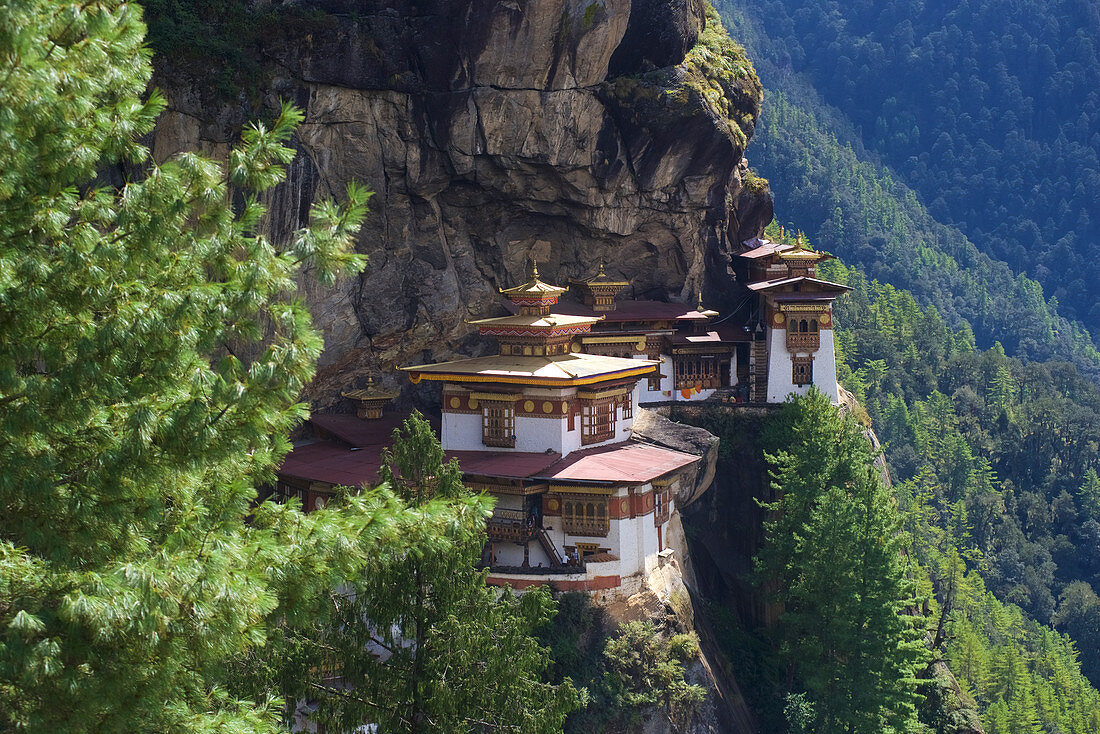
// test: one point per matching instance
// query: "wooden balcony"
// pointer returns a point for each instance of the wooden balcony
(499, 440)
(509, 526)
(803, 341)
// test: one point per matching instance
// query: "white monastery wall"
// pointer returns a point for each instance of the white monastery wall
(462, 431)
(780, 375)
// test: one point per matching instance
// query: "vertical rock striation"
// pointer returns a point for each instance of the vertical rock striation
(492, 133)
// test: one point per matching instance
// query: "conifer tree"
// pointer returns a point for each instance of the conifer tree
(132, 434)
(152, 348)
(445, 652)
(834, 556)
(1088, 495)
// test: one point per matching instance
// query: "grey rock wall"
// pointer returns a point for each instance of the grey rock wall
(491, 133)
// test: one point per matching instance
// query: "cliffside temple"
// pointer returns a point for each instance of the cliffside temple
(546, 425)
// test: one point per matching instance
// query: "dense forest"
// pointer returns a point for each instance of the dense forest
(989, 110)
(995, 463)
(821, 168)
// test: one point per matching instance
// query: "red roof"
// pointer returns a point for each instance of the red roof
(628, 462)
(764, 285)
(733, 332)
(334, 463)
(504, 464)
(765, 248)
(330, 462)
(710, 337)
(356, 432)
(802, 297)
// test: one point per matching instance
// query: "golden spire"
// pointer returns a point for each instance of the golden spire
(534, 268)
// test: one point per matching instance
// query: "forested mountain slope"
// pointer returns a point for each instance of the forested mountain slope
(819, 168)
(989, 110)
(995, 465)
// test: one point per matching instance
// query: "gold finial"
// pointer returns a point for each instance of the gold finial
(799, 239)
(600, 273)
(534, 268)
(700, 301)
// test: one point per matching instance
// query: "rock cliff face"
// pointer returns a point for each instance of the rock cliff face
(493, 133)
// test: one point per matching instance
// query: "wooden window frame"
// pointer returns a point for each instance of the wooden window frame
(662, 505)
(654, 381)
(598, 419)
(502, 433)
(802, 371)
(586, 515)
(285, 490)
(691, 370)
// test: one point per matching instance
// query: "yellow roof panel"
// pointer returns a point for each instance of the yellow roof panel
(560, 369)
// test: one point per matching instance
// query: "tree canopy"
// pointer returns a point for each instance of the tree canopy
(152, 350)
(833, 560)
(418, 642)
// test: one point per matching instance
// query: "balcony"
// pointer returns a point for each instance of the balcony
(803, 341)
(687, 382)
(498, 439)
(509, 526)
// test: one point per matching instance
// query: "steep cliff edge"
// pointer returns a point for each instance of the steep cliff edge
(493, 133)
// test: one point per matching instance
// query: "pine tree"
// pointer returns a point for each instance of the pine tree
(151, 352)
(834, 554)
(1088, 495)
(419, 642)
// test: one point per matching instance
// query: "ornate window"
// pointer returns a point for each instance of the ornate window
(803, 370)
(696, 370)
(598, 419)
(662, 497)
(498, 424)
(627, 405)
(803, 334)
(585, 515)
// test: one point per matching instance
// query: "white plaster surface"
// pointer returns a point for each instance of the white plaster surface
(462, 431)
(780, 366)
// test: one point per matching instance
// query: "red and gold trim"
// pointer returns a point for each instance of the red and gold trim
(527, 407)
(416, 377)
(535, 332)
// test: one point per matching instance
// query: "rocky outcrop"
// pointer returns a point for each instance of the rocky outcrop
(654, 426)
(494, 133)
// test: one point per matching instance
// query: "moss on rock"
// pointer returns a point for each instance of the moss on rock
(716, 77)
